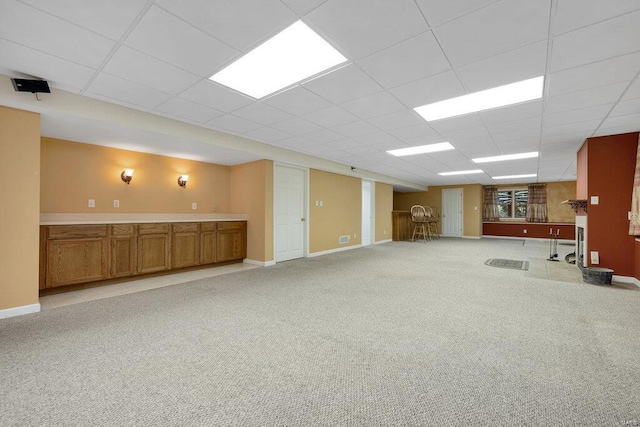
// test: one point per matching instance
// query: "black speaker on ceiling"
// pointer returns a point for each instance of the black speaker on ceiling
(33, 86)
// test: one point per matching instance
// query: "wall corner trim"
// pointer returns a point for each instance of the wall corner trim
(260, 263)
(379, 242)
(330, 251)
(626, 279)
(19, 311)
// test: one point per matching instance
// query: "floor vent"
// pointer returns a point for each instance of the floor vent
(344, 239)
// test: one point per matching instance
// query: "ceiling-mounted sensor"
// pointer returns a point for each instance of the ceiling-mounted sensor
(33, 86)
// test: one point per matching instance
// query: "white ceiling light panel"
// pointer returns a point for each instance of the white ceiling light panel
(506, 157)
(422, 149)
(293, 55)
(501, 96)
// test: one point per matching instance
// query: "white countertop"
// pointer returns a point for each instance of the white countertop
(124, 218)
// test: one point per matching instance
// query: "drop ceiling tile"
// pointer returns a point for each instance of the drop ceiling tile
(298, 101)
(30, 27)
(363, 150)
(397, 120)
(518, 138)
(431, 89)
(323, 136)
(216, 96)
(116, 88)
(564, 138)
(524, 21)
(302, 7)
(421, 130)
(297, 126)
(351, 130)
(110, 19)
(515, 126)
(585, 98)
(519, 64)
(513, 112)
(137, 67)
(332, 116)
(156, 33)
(188, 110)
(624, 108)
(114, 101)
(262, 113)
(457, 123)
(235, 125)
(572, 14)
(586, 128)
(602, 73)
(633, 91)
(581, 115)
(343, 85)
(454, 136)
(375, 105)
(438, 12)
(345, 144)
(407, 61)
(240, 24)
(381, 140)
(361, 27)
(619, 124)
(600, 41)
(43, 66)
(266, 134)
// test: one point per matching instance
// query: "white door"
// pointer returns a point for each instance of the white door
(366, 213)
(452, 212)
(289, 212)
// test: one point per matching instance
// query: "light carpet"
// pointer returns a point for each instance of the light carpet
(394, 334)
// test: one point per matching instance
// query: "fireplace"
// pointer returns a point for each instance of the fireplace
(581, 240)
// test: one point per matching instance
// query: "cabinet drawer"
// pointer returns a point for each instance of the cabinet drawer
(76, 231)
(208, 226)
(153, 228)
(122, 230)
(184, 227)
(231, 225)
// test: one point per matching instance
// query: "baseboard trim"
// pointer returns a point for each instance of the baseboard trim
(626, 279)
(19, 311)
(260, 263)
(472, 237)
(331, 251)
(382, 241)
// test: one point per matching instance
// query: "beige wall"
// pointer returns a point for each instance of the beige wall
(557, 192)
(20, 207)
(471, 204)
(341, 213)
(252, 193)
(384, 206)
(73, 172)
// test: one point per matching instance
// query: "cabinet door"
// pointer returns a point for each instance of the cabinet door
(154, 253)
(76, 261)
(231, 243)
(207, 247)
(123, 256)
(184, 249)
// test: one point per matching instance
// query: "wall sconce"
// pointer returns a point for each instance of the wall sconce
(182, 180)
(126, 175)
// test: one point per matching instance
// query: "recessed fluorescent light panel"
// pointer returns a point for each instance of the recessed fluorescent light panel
(501, 96)
(518, 156)
(469, 172)
(529, 175)
(422, 149)
(293, 55)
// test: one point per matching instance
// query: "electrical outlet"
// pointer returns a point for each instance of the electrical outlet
(524, 231)
(215, 208)
(321, 203)
(194, 206)
(116, 203)
(317, 203)
(91, 203)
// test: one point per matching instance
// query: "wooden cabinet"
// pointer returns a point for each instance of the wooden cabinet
(402, 225)
(185, 249)
(207, 242)
(231, 241)
(75, 254)
(123, 250)
(154, 248)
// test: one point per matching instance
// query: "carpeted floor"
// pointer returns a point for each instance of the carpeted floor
(394, 334)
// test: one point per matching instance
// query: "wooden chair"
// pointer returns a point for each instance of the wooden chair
(420, 224)
(433, 218)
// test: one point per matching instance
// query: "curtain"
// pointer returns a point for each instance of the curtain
(490, 210)
(537, 203)
(634, 224)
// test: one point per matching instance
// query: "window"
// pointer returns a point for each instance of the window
(512, 203)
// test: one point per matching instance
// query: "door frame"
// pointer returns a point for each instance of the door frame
(372, 212)
(461, 211)
(305, 207)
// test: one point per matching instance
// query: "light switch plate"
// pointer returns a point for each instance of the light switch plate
(595, 200)
(194, 206)
(91, 203)
(116, 203)
(595, 257)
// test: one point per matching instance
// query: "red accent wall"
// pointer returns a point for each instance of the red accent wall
(610, 169)
(534, 230)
